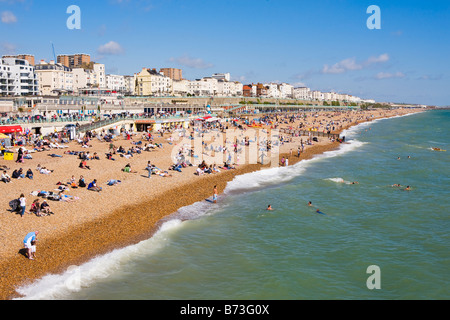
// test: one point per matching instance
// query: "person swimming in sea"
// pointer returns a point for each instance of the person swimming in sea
(269, 207)
(320, 212)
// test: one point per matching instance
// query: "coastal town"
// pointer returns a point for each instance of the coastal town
(73, 84)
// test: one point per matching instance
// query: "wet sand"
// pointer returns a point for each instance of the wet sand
(118, 216)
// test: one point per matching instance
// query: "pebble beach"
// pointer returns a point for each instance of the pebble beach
(98, 222)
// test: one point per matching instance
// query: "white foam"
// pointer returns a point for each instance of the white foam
(75, 278)
(274, 176)
(338, 180)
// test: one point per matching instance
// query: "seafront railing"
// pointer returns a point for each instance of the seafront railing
(107, 122)
(19, 121)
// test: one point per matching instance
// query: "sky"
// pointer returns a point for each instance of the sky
(325, 45)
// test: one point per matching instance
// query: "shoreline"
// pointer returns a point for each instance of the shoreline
(127, 225)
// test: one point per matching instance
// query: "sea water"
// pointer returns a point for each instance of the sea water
(236, 249)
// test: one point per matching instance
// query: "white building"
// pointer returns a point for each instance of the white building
(130, 85)
(115, 82)
(316, 95)
(286, 91)
(54, 78)
(301, 93)
(89, 78)
(99, 70)
(17, 78)
(207, 86)
(222, 76)
(180, 87)
(272, 90)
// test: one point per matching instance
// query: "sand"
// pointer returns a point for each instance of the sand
(119, 215)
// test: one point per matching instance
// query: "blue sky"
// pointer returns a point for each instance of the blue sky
(322, 44)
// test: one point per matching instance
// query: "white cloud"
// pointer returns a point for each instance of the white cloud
(351, 64)
(387, 75)
(342, 66)
(111, 48)
(8, 17)
(194, 63)
(8, 48)
(380, 59)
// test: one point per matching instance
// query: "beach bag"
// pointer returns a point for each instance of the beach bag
(15, 205)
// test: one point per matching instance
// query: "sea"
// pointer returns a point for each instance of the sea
(369, 240)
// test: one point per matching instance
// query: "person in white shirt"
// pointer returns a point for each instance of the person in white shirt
(5, 177)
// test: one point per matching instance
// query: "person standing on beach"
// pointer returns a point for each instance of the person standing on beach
(29, 243)
(215, 193)
(149, 169)
(23, 204)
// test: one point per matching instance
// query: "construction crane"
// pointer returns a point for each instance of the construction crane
(54, 55)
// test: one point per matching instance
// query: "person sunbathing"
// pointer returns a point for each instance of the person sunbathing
(128, 169)
(44, 170)
(83, 165)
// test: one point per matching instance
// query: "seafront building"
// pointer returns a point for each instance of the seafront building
(28, 57)
(17, 78)
(54, 78)
(115, 83)
(85, 78)
(149, 82)
(76, 85)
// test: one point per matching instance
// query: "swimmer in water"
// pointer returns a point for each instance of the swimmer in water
(407, 188)
(396, 185)
(355, 182)
(269, 207)
(320, 212)
(309, 204)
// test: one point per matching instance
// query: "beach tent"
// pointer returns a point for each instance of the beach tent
(5, 141)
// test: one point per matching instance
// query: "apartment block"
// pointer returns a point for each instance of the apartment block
(17, 78)
(74, 60)
(172, 73)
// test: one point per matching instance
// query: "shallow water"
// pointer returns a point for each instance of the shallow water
(238, 250)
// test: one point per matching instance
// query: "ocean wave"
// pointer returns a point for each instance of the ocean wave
(275, 176)
(75, 278)
(338, 180)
